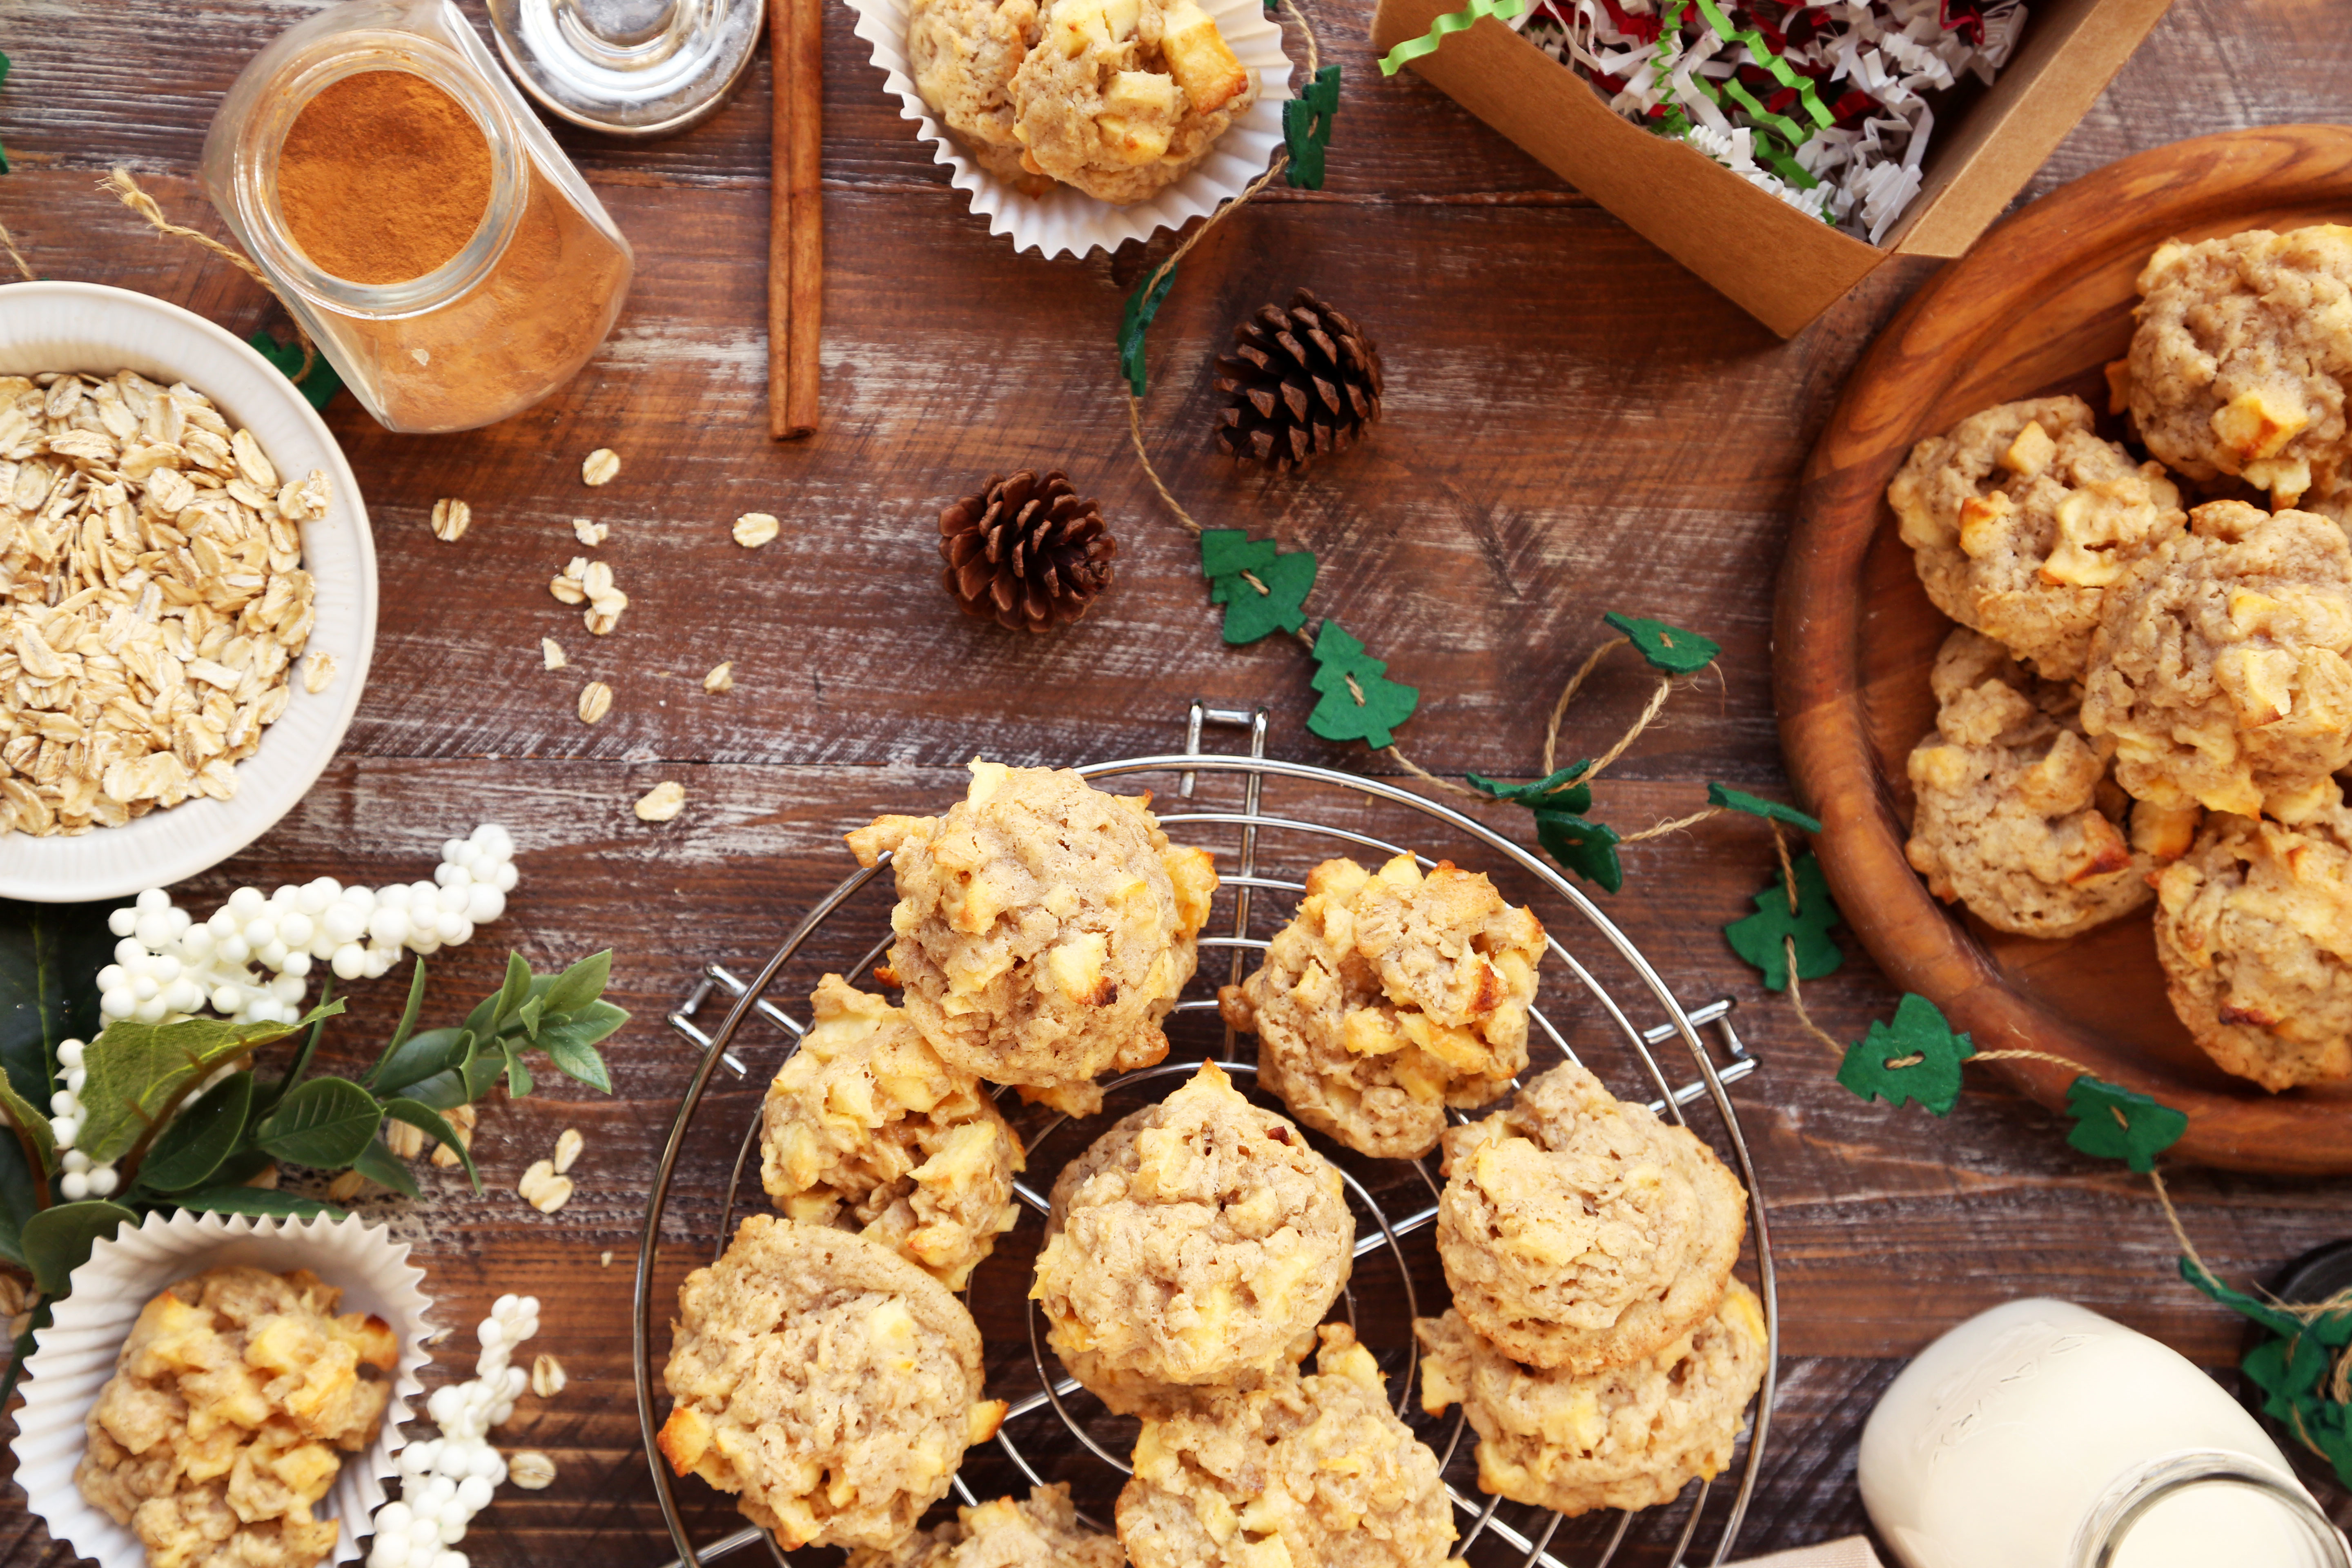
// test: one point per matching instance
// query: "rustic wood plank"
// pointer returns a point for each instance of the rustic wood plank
(1575, 425)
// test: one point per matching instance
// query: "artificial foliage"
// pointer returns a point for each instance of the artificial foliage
(1763, 938)
(2113, 1123)
(1360, 702)
(4, 81)
(1307, 128)
(188, 1113)
(1731, 799)
(1562, 791)
(1582, 845)
(1916, 1059)
(318, 386)
(1263, 588)
(1667, 648)
(2294, 1365)
(1142, 306)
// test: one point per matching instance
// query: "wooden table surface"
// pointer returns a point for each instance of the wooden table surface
(1574, 424)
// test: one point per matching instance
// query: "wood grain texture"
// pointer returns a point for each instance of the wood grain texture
(1575, 425)
(2041, 304)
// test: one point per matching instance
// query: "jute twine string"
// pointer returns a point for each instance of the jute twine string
(18, 256)
(126, 190)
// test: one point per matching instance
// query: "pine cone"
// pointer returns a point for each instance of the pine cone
(1027, 552)
(1304, 382)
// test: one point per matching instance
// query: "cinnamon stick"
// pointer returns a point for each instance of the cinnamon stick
(796, 217)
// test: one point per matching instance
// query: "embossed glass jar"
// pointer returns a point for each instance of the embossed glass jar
(507, 320)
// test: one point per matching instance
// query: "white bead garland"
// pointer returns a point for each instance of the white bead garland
(169, 965)
(446, 1480)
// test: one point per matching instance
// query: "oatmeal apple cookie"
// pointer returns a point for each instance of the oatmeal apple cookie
(866, 1128)
(1042, 1532)
(964, 53)
(1043, 929)
(1388, 998)
(1198, 1242)
(2017, 817)
(829, 1383)
(223, 1424)
(2223, 667)
(1313, 1472)
(1121, 98)
(2020, 518)
(2255, 929)
(1578, 1231)
(1629, 1436)
(2239, 363)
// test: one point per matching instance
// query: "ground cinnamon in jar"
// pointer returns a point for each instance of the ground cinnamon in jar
(382, 177)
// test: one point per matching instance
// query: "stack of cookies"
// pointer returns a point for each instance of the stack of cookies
(822, 1370)
(1597, 1340)
(2144, 701)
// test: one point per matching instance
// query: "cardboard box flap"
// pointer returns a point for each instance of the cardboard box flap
(2068, 53)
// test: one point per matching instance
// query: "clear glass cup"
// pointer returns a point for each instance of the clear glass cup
(505, 321)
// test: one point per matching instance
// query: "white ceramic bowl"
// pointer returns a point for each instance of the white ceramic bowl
(85, 327)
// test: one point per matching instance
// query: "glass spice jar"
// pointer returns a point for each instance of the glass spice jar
(510, 316)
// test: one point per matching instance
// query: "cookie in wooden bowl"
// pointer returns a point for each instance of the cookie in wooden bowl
(2222, 666)
(2242, 355)
(2021, 518)
(2019, 816)
(2255, 929)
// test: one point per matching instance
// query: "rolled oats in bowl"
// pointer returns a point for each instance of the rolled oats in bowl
(153, 598)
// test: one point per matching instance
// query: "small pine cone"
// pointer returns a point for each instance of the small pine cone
(1304, 382)
(1027, 552)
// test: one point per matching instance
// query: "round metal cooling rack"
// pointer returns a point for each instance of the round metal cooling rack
(1494, 1532)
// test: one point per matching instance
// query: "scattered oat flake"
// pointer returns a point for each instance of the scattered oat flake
(589, 533)
(542, 1189)
(606, 1260)
(547, 1376)
(552, 652)
(568, 1144)
(720, 678)
(754, 528)
(599, 467)
(318, 672)
(451, 517)
(531, 1470)
(662, 802)
(595, 701)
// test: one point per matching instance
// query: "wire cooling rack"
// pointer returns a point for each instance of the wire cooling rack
(1053, 1430)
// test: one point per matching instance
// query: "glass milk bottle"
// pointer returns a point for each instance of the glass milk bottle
(2040, 1435)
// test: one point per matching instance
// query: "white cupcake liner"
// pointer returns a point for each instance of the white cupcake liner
(75, 1354)
(1066, 221)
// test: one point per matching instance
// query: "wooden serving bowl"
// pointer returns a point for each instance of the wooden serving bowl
(2039, 306)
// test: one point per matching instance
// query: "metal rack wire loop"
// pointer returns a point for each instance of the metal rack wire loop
(735, 1047)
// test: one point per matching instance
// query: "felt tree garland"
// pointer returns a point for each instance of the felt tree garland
(1306, 128)
(4, 81)
(2302, 1364)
